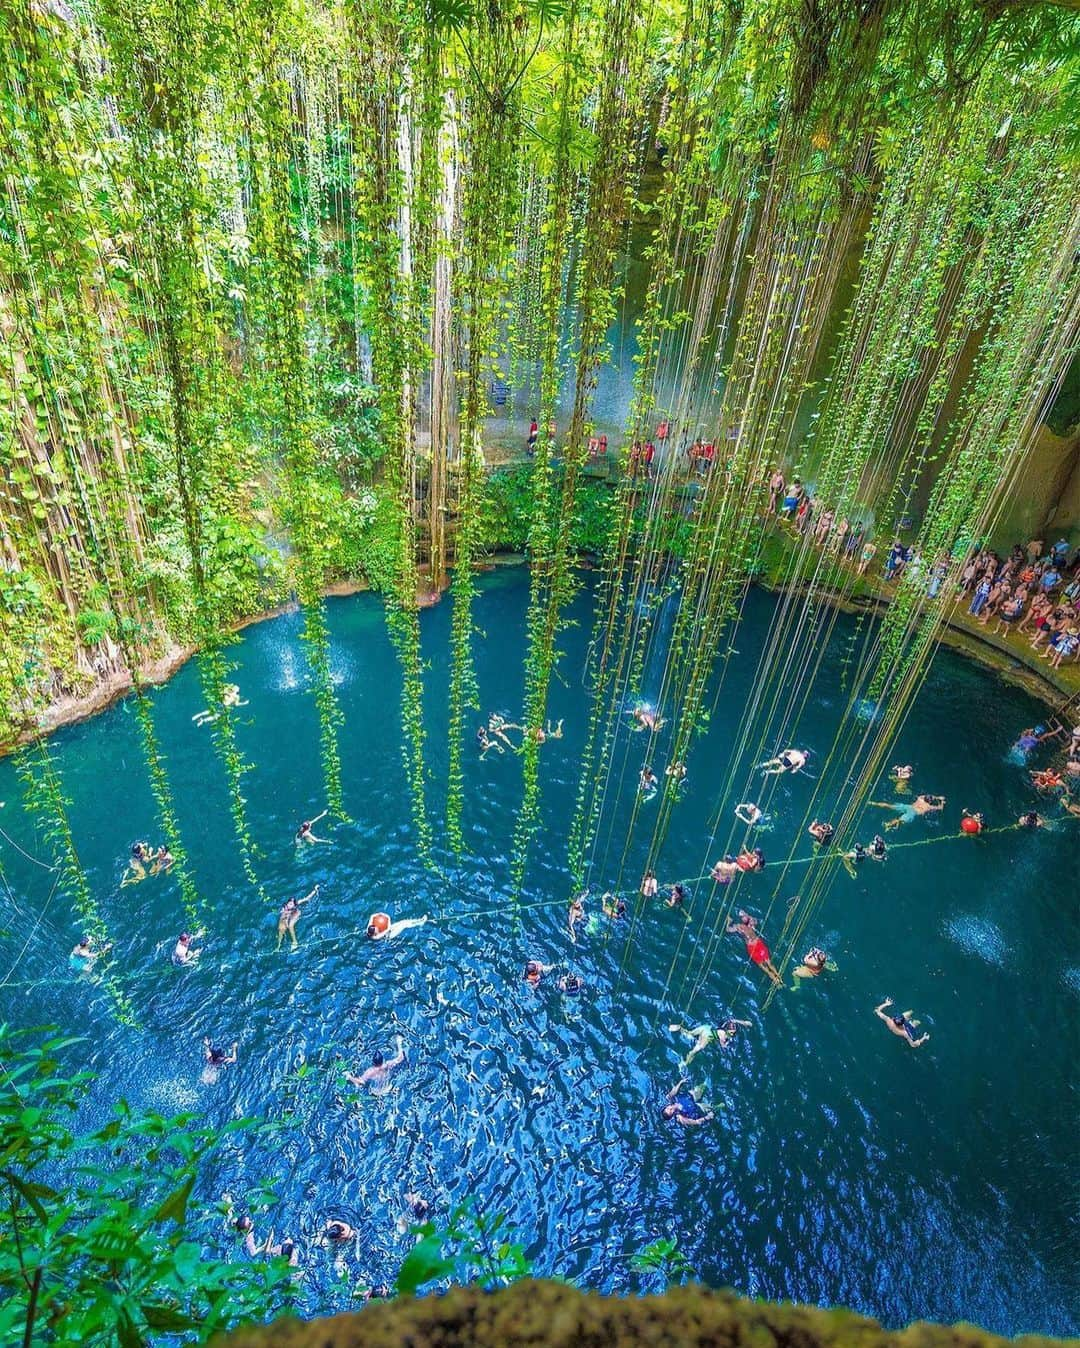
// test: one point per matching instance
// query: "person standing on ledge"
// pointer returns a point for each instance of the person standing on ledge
(901, 1025)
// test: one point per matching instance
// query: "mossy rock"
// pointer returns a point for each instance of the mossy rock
(554, 1315)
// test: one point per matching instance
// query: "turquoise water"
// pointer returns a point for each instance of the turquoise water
(842, 1168)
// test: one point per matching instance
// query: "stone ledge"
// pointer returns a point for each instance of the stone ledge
(533, 1313)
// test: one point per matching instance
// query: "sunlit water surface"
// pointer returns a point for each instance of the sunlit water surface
(842, 1168)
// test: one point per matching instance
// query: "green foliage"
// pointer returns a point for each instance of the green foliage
(471, 1248)
(103, 1242)
(663, 1259)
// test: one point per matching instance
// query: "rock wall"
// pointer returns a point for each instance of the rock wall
(554, 1315)
(1045, 498)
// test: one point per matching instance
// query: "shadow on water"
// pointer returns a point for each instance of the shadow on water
(842, 1168)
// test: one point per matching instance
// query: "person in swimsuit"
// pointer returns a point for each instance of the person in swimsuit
(748, 813)
(1047, 780)
(286, 1250)
(217, 1057)
(646, 718)
(85, 953)
(337, 1232)
(142, 855)
(535, 971)
(499, 725)
(751, 859)
(877, 851)
(756, 949)
(245, 1227)
(814, 961)
(304, 833)
(1032, 819)
(685, 1106)
(677, 773)
(182, 952)
(649, 885)
(571, 985)
(486, 743)
(380, 931)
(724, 871)
(647, 782)
(821, 833)
(164, 861)
(788, 760)
(906, 811)
(289, 916)
(612, 906)
(677, 896)
(377, 1076)
(901, 1025)
(701, 1036)
(576, 915)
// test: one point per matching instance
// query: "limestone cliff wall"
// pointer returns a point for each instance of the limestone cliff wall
(552, 1315)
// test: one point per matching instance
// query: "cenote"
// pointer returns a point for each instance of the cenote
(842, 1169)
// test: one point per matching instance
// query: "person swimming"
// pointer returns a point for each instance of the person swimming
(85, 952)
(814, 961)
(677, 896)
(535, 971)
(901, 774)
(647, 782)
(245, 1227)
(821, 833)
(788, 760)
(756, 950)
(750, 859)
(725, 870)
(906, 811)
(377, 1076)
(748, 813)
(142, 855)
(380, 928)
(337, 1231)
(649, 885)
(877, 850)
(289, 916)
(1032, 819)
(571, 985)
(612, 906)
(685, 1107)
(646, 718)
(218, 1057)
(677, 773)
(701, 1036)
(164, 861)
(576, 914)
(182, 951)
(901, 1025)
(305, 834)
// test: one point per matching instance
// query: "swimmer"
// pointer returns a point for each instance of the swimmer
(1047, 780)
(141, 857)
(649, 885)
(163, 861)
(750, 859)
(85, 953)
(289, 916)
(685, 1107)
(535, 971)
(286, 1250)
(304, 833)
(647, 782)
(756, 949)
(571, 985)
(789, 760)
(901, 1025)
(183, 953)
(377, 1076)
(814, 961)
(723, 872)
(677, 772)
(907, 811)
(1033, 819)
(576, 914)
(380, 928)
(612, 906)
(749, 814)
(499, 725)
(246, 1227)
(901, 774)
(646, 719)
(701, 1036)
(677, 896)
(822, 834)
(486, 743)
(217, 1057)
(550, 732)
(877, 851)
(230, 697)
(337, 1232)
